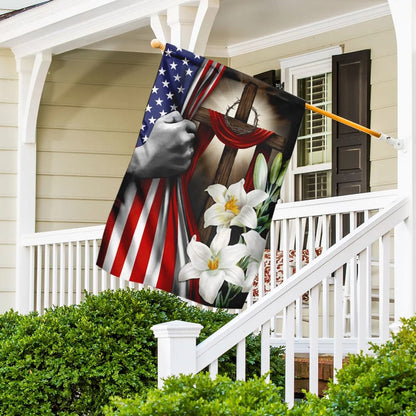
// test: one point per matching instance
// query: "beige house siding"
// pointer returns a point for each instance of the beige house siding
(8, 163)
(377, 35)
(89, 118)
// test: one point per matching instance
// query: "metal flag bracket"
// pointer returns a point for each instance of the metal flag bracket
(398, 144)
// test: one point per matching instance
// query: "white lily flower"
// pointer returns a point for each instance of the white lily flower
(255, 246)
(233, 206)
(215, 264)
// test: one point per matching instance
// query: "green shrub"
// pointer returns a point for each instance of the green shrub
(198, 395)
(72, 359)
(379, 384)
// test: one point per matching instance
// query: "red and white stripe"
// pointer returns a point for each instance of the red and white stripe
(147, 233)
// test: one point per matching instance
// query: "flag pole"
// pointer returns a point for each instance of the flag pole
(396, 143)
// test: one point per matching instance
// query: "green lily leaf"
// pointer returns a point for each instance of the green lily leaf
(282, 174)
(263, 220)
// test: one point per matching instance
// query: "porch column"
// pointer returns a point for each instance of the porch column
(32, 72)
(404, 18)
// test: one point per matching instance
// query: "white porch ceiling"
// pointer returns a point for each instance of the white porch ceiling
(243, 26)
(240, 25)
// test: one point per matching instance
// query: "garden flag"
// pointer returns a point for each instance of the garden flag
(195, 205)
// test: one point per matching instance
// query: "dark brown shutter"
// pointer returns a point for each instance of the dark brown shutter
(351, 99)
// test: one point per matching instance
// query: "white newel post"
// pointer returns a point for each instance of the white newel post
(404, 18)
(176, 348)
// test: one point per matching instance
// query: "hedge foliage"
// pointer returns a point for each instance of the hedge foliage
(198, 395)
(70, 360)
(380, 384)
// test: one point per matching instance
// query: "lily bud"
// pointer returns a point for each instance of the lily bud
(260, 173)
(276, 165)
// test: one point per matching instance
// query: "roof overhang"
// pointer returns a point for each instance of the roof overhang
(126, 25)
(60, 26)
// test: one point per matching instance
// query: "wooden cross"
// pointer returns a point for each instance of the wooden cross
(239, 123)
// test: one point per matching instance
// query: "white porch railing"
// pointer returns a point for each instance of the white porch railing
(303, 230)
(347, 263)
(62, 265)
(349, 285)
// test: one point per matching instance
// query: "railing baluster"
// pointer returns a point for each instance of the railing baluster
(260, 285)
(213, 369)
(113, 282)
(299, 320)
(54, 275)
(325, 280)
(122, 283)
(369, 280)
(94, 268)
(32, 279)
(311, 238)
(298, 244)
(87, 266)
(338, 320)
(298, 247)
(265, 349)
(241, 360)
(362, 303)
(39, 280)
(273, 269)
(319, 231)
(338, 227)
(290, 355)
(313, 314)
(352, 277)
(46, 277)
(78, 289)
(285, 265)
(273, 249)
(351, 287)
(61, 274)
(285, 248)
(384, 287)
(326, 222)
(104, 280)
(70, 273)
(313, 337)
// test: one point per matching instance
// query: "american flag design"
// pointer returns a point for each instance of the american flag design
(145, 237)
(153, 222)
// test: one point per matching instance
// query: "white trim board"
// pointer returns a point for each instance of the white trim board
(302, 32)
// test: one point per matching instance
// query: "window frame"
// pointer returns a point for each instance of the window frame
(292, 69)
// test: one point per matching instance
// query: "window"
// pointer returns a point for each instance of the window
(312, 171)
(309, 77)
